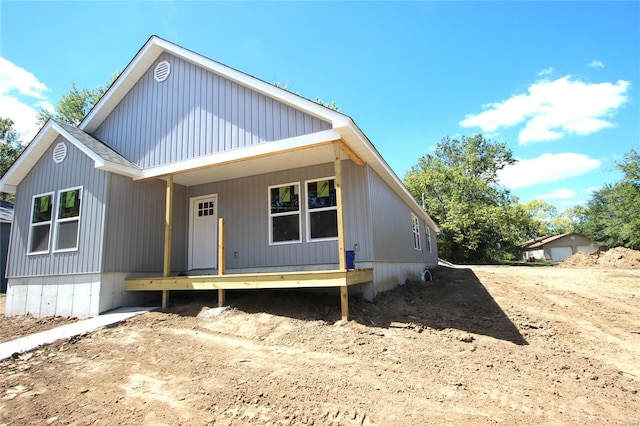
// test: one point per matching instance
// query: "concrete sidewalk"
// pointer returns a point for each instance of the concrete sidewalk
(27, 343)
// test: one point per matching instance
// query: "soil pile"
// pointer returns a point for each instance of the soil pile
(617, 257)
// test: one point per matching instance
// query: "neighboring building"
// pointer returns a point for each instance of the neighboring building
(299, 186)
(557, 248)
(6, 217)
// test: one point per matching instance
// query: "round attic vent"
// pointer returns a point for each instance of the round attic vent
(162, 71)
(60, 153)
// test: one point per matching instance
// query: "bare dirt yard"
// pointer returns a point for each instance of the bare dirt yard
(486, 345)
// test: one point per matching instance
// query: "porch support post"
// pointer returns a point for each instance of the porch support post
(221, 258)
(167, 237)
(344, 291)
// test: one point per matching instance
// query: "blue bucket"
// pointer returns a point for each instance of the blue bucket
(351, 259)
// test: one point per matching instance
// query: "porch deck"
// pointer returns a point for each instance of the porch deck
(272, 280)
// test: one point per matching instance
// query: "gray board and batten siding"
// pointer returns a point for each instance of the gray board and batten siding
(135, 225)
(214, 114)
(244, 204)
(393, 235)
(46, 176)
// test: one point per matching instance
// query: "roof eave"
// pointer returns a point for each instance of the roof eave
(380, 165)
(155, 46)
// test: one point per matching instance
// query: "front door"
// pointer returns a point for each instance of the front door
(203, 232)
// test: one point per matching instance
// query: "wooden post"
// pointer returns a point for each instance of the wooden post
(167, 237)
(338, 172)
(344, 291)
(221, 258)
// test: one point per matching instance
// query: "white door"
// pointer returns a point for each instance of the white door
(559, 254)
(203, 232)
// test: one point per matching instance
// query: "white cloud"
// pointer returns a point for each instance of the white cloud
(558, 194)
(546, 71)
(595, 64)
(18, 90)
(553, 109)
(546, 168)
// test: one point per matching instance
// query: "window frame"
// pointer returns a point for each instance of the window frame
(271, 215)
(428, 232)
(309, 210)
(33, 224)
(59, 220)
(415, 230)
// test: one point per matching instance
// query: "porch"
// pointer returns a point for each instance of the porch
(271, 280)
(318, 148)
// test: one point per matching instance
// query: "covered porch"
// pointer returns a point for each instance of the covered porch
(328, 146)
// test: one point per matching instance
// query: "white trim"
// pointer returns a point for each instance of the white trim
(308, 210)
(239, 154)
(65, 220)
(31, 224)
(272, 215)
(38, 147)
(396, 184)
(156, 46)
(192, 202)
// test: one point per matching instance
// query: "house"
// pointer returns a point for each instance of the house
(188, 174)
(557, 248)
(6, 217)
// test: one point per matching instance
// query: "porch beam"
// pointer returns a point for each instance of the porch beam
(167, 238)
(344, 291)
(352, 155)
(268, 280)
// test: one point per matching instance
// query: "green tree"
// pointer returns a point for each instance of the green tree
(331, 105)
(480, 221)
(10, 148)
(75, 104)
(612, 216)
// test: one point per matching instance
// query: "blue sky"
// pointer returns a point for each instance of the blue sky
(556, 81)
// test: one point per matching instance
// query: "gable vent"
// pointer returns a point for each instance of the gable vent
(60, 153)
(162, 71)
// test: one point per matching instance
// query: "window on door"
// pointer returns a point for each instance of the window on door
(322, 210)
(284, 213)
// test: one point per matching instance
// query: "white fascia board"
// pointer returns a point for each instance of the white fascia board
(119, 169)
(24, 162)
(10, 189)
(154, 48)
(337, 119)
(396, 183)
(265, 148)
(123, 84)
(99, 162)
(82, 147)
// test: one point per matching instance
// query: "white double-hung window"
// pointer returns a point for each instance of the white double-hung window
(61, 227)
(415, 227)
(284, 213)
(68, 219)
(40, 229)
(322, 210)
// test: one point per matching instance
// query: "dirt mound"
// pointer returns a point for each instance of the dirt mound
(617, 257)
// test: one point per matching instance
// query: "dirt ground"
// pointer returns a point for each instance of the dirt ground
(486, 345)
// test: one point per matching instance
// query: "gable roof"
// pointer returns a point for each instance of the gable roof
(104, 157)
(541, 241)
(343, 128)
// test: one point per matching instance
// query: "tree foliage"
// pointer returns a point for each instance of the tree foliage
(612, 216)
(74, 104)
(10, 148)
(480, 221)
(331, 105)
